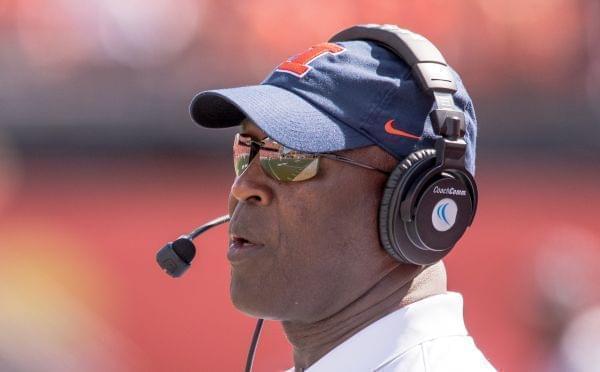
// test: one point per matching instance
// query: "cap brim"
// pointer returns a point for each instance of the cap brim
(282, 115)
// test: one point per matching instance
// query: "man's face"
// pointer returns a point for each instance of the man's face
(311, 247)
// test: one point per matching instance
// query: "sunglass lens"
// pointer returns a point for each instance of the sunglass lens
(289, 170)
(284, 169)
(241, 158)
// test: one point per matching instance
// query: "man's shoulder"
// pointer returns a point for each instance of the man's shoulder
(448, 354)
(428, 335)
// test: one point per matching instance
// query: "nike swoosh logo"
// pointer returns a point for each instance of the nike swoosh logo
(397, 132)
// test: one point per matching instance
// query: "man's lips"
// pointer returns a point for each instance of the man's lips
(241, 248)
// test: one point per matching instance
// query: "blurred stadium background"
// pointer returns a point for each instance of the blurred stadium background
(100, 165)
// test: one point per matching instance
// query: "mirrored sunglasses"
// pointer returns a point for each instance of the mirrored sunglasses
(281, 163)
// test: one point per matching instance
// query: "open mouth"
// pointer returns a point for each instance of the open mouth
(241, 242)
(241, 248)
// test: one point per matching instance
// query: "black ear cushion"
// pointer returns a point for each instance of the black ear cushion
(391, 197)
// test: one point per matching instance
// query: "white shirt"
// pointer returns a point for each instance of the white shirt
(426, 336)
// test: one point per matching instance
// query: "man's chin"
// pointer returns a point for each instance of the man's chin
(252, 300)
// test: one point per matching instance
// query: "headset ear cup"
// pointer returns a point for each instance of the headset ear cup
(391, 199)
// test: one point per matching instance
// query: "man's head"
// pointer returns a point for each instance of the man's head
(320, 248)
(314, 244)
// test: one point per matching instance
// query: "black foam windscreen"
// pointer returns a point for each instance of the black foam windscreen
(185, 249)
(176, 261)
(175, 257)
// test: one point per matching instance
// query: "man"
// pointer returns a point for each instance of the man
(313, 154)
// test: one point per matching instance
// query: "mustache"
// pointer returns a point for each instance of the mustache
(245, 224)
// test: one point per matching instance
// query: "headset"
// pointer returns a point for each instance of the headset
(429, 199)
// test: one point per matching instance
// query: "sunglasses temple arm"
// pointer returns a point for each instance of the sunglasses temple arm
(351, 161)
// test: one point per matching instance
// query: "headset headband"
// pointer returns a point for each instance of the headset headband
(428, 65)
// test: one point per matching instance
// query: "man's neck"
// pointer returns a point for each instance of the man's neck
(402, 286)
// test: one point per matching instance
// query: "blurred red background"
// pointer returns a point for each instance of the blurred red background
(82, 234)
(100, 166)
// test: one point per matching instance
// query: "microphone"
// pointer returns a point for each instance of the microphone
(176, 257)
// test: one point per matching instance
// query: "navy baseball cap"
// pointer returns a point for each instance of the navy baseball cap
(337, 96)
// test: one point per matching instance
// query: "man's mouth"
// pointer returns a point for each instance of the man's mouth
(241, 248)
(241, 242)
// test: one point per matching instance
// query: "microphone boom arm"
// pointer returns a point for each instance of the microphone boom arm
(176, 257)
(206, 226)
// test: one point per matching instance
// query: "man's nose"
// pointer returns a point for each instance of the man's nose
(252, 186)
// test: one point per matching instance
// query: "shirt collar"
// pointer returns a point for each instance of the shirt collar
(427, 319)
